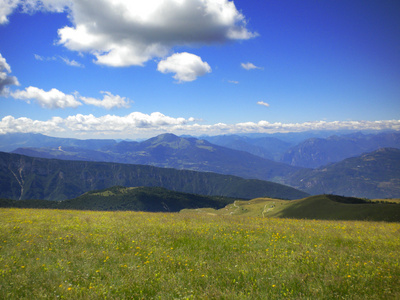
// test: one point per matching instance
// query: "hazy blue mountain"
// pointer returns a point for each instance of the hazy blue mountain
(171, 151)
(12, 141)
(371, 175)
(23, 177)
(68, 153)
(266, 147)
(317, 152)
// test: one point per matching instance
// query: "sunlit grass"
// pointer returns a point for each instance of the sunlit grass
(96, 255)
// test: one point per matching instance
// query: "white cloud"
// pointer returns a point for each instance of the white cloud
(138, 124)
(38, 57)
(5, 79)
(51, 99)
(131, 32)
(72, 63)
(263, 103)
(79, 124)
(66, 60)
(233, 81)
(109, 101)
(9, 124)
(186, 66)
(129, 123)
(29, 6)
(42, 58)
(6, 8)
(249, 66)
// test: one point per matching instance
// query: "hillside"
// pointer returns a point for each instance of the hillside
(12, 141)
(150, 199)
(321, 207)
(265, 147)
(23, 177)
(372, 175)
(317, 152)
(171, 151)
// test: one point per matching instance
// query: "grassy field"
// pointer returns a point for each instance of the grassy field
(320, 207)
(51, 254)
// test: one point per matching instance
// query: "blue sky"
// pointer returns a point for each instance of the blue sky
(122, 69)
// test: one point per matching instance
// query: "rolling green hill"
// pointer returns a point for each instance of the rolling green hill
(23, 177)
(151, 199)
(321, 207)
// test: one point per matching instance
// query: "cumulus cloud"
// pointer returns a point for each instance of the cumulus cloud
(9, 124)
(109, 101)
(51, 99)
(146, 125)
(135, 122)
(113, 123)
(29, 6)
(6, 79)
(186, 66)
(263, 103)
(249, 66)
(131, 32)
(6, 8)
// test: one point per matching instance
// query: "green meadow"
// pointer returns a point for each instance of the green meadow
(64, 254)
(321, 207)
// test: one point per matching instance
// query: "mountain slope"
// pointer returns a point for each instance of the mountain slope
(321, 207)
(372, 175)
(316, 152)
(265, 147)
(23, 177)
(12, 141)
(151, 199)
(171, 151)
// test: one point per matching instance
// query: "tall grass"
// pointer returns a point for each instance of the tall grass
(50, 254)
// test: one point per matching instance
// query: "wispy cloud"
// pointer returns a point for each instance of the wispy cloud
(38, 57)
(65, 60)
(72, 63)
(233, 81)
(263, 103)
(249, 66)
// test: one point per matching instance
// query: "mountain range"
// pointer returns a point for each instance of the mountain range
(289, 148)
(170, 151)
(371, 175)
(23, 177)
(317, 152)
